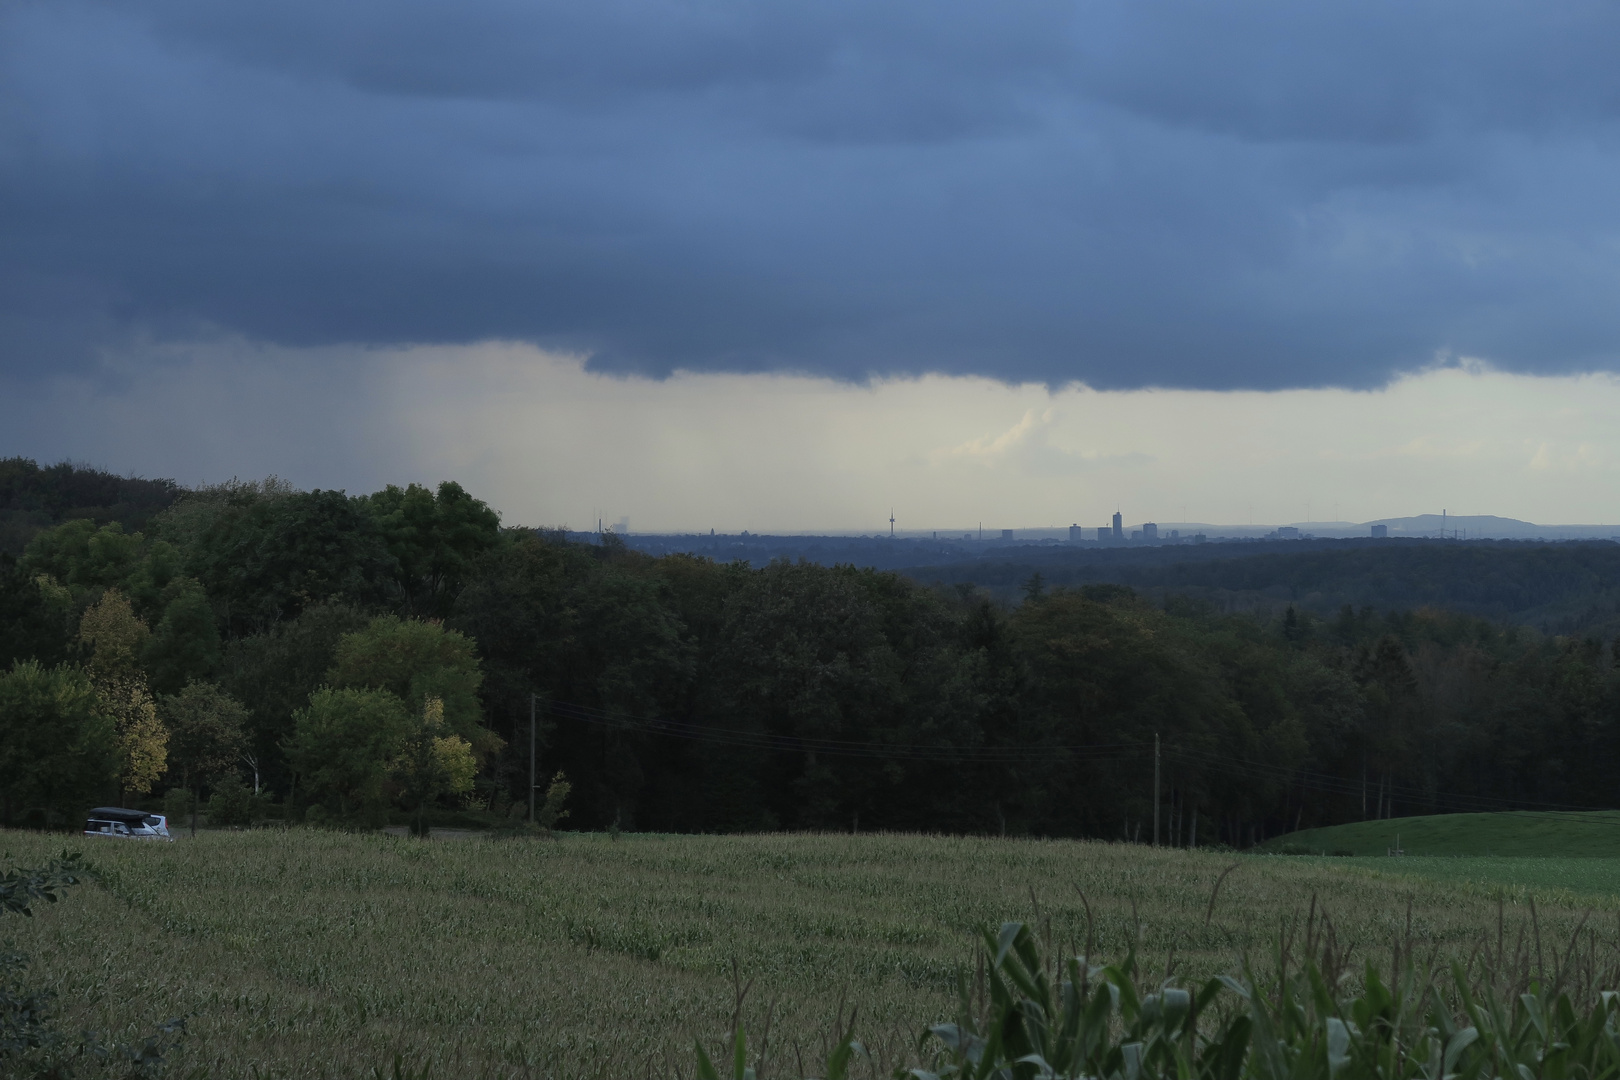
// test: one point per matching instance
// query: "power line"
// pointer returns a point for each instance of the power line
(682, 729)
(1231, 766)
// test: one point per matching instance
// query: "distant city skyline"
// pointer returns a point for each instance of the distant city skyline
(1412, 526)
(547, 441)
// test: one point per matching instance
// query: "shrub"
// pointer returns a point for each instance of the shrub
(177, 807)
(232, 803)
(551, 811)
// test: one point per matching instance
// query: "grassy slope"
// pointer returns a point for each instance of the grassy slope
(1509, 834)
(322, 954)
(1593, 881)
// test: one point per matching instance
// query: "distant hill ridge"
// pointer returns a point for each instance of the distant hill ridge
(1491, 527)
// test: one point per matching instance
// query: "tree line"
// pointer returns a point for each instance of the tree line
(348, 656)
(1568, 587)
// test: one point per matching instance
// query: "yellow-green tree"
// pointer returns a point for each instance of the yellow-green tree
(114, 636)
(435, 762)
(418, 661)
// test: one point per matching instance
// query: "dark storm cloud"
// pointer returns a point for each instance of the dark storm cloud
(1216, 195)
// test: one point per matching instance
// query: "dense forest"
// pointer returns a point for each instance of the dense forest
(352, 655)
(1558, 588)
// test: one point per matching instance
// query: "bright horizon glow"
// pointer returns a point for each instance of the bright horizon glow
(548, 442)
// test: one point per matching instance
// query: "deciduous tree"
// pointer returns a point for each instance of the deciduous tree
(417, 660)
(115, 637)
(59, 747)
(345, 744)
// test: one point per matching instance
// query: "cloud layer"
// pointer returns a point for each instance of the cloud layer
(1245, 195)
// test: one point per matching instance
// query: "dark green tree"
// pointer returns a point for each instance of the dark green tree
(185, 644)
(264, 552)
(345, 746)
(273, 673)
(435, 540)
(207, 735)
(58, 745)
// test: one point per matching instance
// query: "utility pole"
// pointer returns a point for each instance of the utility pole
(531, 757)
(1155, 789)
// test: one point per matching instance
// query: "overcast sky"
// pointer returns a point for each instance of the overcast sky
(279, 237)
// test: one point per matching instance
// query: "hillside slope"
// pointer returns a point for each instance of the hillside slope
(1509, 833)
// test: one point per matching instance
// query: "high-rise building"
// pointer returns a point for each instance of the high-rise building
(1006, 534)
(1119, 526)
(1380, 531)
(1075, 532)
(1105, 533)
(1150, 530)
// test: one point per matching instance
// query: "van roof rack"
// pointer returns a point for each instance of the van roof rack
(119, 813)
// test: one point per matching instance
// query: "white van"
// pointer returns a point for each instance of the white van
(117, 823)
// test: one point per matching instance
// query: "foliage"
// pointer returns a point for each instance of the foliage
(185, 646)
(20, 887)
(551, 812)
(1078, 1019)
(37, 617)
(273, 673)
(32, 498)
(264, 552)
(115, 638)
(417, 661)
(435, 539)
(142, 738)
(58, 744)
(432, 762)
(206, 731)
(345, 743)
(80, 556)
(1564, 588)
(177, 805)
(231, 803)
(113, 634)
(690, 695)
(76, 567)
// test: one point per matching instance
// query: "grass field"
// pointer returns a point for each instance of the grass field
(309, 954)
(1505, 834)
(1576, 881)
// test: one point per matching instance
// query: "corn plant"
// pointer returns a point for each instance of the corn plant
(1035, 1023)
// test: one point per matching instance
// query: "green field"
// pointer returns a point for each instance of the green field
(305, 953)
(1506, 834)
